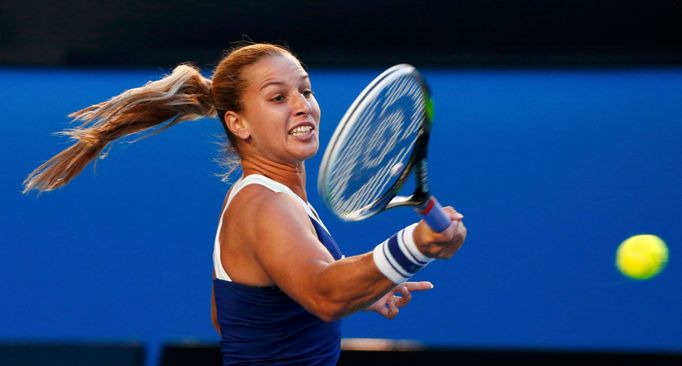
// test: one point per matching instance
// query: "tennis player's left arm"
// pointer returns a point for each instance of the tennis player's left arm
(214, 311)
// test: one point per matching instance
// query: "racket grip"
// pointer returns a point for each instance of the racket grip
(432, 212)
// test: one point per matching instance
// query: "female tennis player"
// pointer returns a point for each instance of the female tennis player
(281, 283)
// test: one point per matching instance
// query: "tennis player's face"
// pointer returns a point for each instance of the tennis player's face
(280, 110)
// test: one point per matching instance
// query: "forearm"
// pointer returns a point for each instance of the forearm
(354, 283)
(350, 284)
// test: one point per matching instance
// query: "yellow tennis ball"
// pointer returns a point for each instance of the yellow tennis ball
(642, 256)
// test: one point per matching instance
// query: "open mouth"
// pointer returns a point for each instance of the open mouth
(302, 130)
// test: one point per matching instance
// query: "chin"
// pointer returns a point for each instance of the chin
(307, 153)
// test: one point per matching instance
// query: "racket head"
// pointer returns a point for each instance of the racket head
(381, 137)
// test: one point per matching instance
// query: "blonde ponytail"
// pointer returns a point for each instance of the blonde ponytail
(181, 96)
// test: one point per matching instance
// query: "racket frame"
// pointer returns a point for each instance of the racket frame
(420, 199)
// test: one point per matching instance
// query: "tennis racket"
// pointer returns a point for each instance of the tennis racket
(380, 140)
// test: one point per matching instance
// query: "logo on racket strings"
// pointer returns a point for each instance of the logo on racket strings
(372, 155)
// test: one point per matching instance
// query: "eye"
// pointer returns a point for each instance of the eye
(278, 98)
(308, 93)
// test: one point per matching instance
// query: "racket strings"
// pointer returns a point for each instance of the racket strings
(379, 140)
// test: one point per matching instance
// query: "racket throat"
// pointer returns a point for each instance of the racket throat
(419, 200)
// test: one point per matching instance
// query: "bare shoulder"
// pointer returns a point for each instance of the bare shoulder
(264, 209)
(265, 201)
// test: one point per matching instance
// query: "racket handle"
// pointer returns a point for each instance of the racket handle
(433, 214)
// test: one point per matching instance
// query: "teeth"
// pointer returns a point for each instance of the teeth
(301, 130)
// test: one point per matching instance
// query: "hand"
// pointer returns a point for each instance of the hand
(398, 297)
(445, 244)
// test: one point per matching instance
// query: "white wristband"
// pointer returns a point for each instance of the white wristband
(398, 257)
(408, 239)
(385, 266)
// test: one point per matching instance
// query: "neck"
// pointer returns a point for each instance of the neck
(292, 176)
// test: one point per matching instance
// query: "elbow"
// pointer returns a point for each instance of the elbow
(329, 315)
(330, 311)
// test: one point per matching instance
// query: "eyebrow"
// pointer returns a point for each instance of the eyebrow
(275, 82)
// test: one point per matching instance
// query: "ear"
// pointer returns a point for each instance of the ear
(237, 125)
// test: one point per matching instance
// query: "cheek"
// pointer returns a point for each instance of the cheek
(315, 110)
(268, 121)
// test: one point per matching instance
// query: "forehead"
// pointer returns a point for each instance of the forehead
(283, 68)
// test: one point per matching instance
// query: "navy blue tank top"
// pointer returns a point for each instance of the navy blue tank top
(262, 325)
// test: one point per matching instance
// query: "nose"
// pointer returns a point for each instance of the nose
(301, 105)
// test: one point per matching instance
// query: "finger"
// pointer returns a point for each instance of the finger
(392, 309)
(461, 230)
(405, 297)
(456, 216)
(452, 213)
(418, 286)
(447, 253)
(383, 310)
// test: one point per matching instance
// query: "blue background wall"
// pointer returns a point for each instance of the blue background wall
(551, 168)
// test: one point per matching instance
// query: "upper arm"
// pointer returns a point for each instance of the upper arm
(288, 248)
(279, 239)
